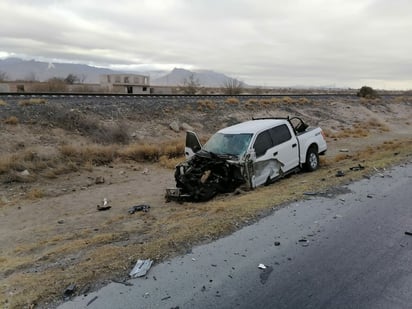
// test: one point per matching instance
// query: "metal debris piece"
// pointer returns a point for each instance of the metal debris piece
(92, 300)
(125, 283)
(359, 167)
(340, 174)
(105, 205)
(277, 243)
(141, 268)
(262, 266)
(408, 233)
(264, 275)
(69, 291)
(141, 207)
(344, 150)
(310, 193)
(99, 180)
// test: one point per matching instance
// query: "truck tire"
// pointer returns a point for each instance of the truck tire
(312, 159)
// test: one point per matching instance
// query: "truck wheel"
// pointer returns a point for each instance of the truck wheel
(312, 159)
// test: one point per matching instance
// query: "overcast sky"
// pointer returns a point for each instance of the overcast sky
(343, 43)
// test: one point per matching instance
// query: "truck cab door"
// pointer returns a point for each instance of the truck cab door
(193, 144)
(286, 146)
(265, 166)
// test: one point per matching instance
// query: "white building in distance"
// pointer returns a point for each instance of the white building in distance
(126, 83)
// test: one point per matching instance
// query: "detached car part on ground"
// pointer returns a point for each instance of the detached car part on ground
(248, 154)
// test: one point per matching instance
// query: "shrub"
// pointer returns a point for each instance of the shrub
(12, 120)
(140, 153)
(3, 103)
(368, 93)
(97, 154)
(206, 104)
(232, 101)
(288, 100)
(32, 101)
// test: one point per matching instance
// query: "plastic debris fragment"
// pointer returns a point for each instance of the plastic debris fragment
(141, 268)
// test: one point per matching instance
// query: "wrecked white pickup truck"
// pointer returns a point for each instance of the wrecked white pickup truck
(248, 154)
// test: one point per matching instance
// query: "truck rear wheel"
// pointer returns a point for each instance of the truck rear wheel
(312, 160)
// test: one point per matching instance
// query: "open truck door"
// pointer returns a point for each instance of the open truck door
(193, 144)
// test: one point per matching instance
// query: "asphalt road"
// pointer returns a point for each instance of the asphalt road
(342, 249)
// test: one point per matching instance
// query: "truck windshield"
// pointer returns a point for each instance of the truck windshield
(234, 144)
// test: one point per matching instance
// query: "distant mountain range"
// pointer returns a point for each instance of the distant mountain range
(33, 70)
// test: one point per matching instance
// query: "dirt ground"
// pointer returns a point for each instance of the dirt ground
(52, 235)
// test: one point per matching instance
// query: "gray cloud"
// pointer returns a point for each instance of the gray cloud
(272, 43)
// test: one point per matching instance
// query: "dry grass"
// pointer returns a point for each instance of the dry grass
(207, 104)
(358, 130)
(35, 193)
(232, 101)
(140, 153)
(32, 101)
(97, 154)
(73, 157)
(12, 120)
(170, 163)
(3, 103)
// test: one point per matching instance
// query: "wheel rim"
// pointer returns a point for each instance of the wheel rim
(313, 160)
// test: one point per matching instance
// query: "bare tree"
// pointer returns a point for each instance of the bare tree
(191, 85)
(232, 86)
(3, 76)
(71, 79)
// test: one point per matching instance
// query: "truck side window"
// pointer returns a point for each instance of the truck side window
(280, 134)
(263, 143)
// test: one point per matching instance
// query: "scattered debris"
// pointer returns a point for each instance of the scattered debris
(92, 300)
(310, 193)
(344, 150)
(99, 180)
(369, 196)
(60, 221)
(262, 266)
(359, 167)
(125, 283)
(340, 174)
(167, 297)
(408, 233)
(264, 275)
(145, 171)
(105, 205)
(142, 207)
(141, 268)
(277, 243)
(379, 173)
(69, 291)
